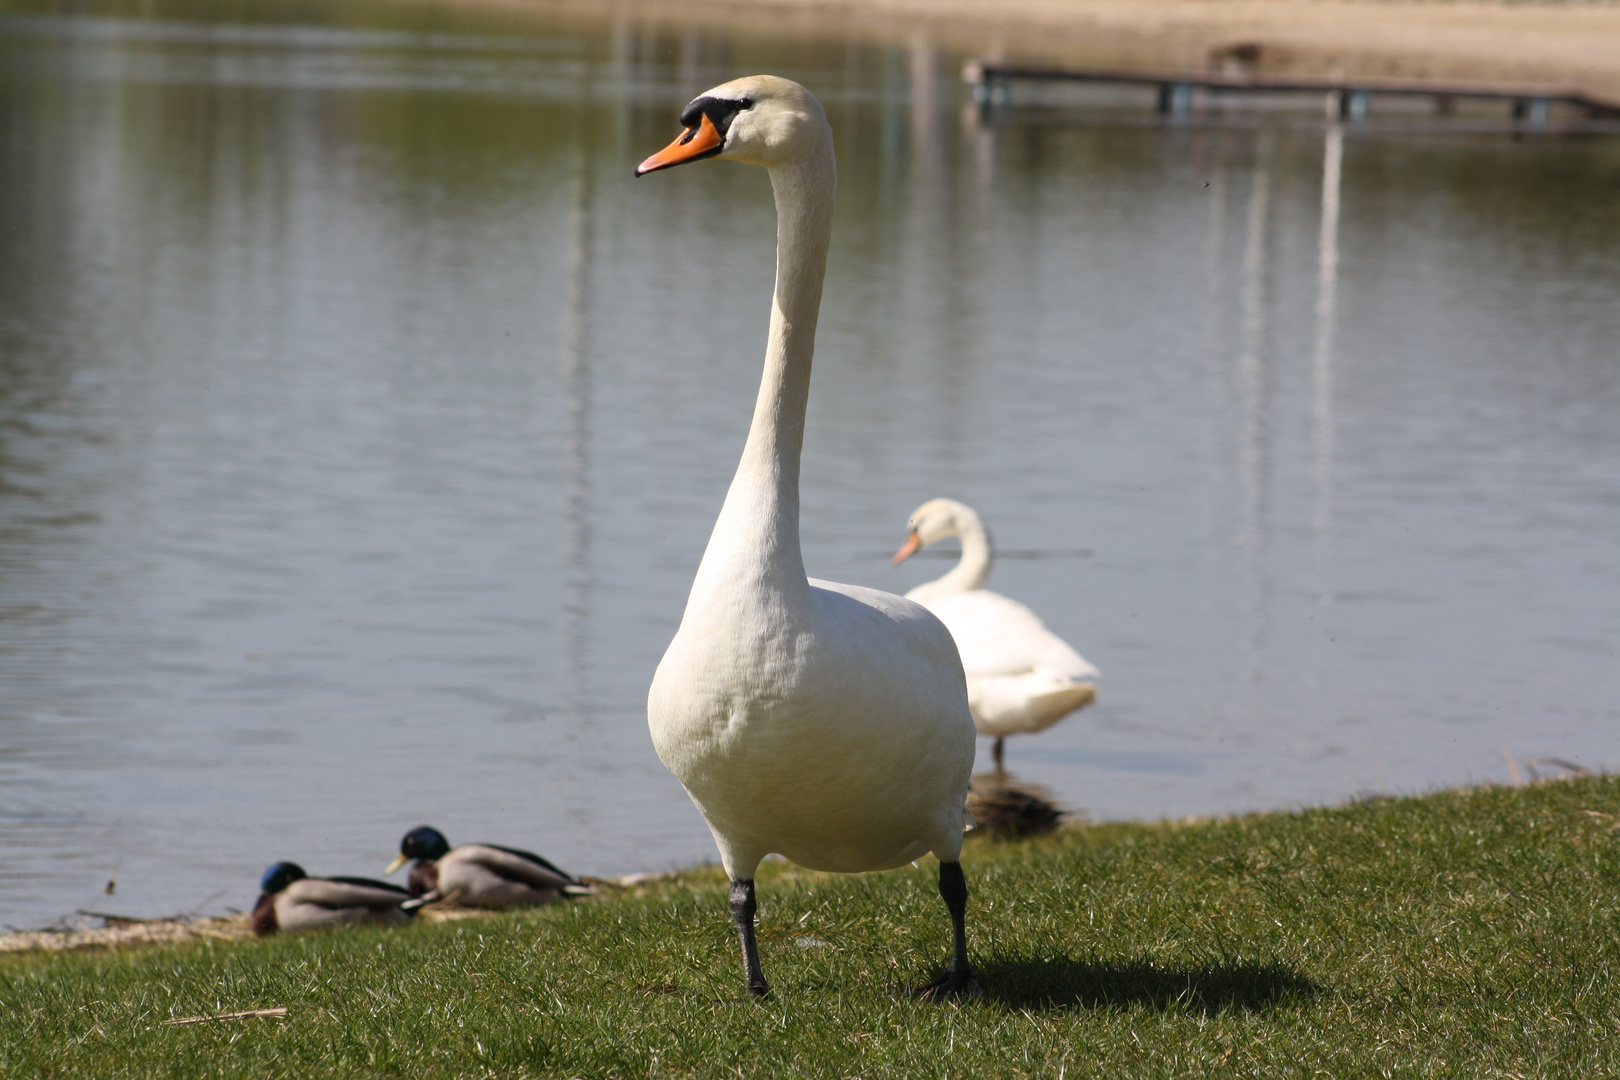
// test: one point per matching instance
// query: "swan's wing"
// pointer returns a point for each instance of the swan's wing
(926, 632)
(343, 892)
(929, 591)
(513, 865)
(998, 636)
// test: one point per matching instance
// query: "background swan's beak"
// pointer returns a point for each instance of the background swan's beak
(912, 545)
(399, 861)
(694, 143)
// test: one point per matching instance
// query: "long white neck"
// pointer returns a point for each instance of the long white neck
(755, 543)
(972, 570)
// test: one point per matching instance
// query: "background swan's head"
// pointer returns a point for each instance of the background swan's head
(935, 520)
(761, 119)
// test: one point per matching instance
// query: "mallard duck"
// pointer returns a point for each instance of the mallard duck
(1021, 677)
(290, 899)
(481, 875)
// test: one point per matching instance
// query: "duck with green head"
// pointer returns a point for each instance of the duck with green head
(289, 899)
(481, 875)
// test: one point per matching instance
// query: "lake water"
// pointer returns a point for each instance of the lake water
(362, 422)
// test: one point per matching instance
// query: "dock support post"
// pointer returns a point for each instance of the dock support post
(1353, 104)
(992, 90)
(1175, 98)
(1535, 110)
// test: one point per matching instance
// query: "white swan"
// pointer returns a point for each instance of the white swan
(1021, 677)
(826, 723)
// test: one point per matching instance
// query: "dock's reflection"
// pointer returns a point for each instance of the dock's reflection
(1254, 379)
(577, 438)
(1327, 298)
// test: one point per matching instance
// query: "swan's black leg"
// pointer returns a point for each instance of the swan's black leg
(995, 752)
(743, 906)
(959, 979)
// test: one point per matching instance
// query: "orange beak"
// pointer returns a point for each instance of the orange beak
(912, 545)
(695, 142)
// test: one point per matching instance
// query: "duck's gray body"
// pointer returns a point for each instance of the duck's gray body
(312, 903)
(486, 876)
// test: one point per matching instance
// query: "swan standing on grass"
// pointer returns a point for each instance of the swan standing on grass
(1021, 677)
(826, 723)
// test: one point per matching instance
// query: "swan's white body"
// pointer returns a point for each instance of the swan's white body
(824, 722)
(1021, 677)
(837, 734)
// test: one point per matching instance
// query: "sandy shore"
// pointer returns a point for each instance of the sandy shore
(1575, 44)
(75, 932)
(122, 933)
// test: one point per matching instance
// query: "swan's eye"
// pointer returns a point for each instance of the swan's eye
(720, 111)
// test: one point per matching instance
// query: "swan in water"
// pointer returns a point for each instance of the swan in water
(1021, 677)
(826, 723)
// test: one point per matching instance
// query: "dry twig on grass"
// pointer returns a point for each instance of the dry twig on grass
(246, 1014)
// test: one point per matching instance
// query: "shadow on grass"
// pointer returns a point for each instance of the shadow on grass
(1059, 982)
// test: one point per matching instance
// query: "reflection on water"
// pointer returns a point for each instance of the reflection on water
(1253, 380)
(1327, 285)
(362, 422)
(577, 446)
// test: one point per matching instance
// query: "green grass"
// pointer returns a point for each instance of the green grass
(1467, 933)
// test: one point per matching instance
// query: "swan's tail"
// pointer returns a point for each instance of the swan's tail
(1031, 701)
(1062, 702)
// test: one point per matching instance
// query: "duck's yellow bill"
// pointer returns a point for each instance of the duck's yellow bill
(695, 142)
(399, 861)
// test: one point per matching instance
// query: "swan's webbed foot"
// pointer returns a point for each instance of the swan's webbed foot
(952, 984)
(743, 906)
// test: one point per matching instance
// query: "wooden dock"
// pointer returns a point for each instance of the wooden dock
(1350, 99)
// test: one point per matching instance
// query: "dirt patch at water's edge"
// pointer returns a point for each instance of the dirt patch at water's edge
(117, 932)
(120, 933)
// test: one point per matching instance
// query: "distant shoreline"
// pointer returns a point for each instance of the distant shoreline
(1565, 43)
